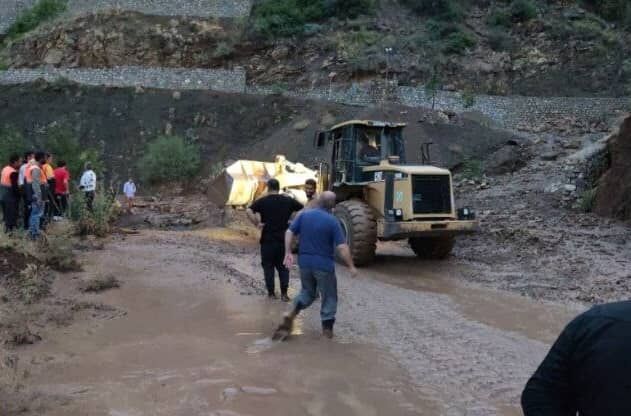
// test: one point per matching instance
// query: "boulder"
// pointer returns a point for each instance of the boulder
(613, 198)
(507, 159)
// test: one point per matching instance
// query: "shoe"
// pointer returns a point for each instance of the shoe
(285, 298)
(284, 329)
(327, 333)
(272, 296)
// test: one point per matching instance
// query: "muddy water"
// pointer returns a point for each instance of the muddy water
(469, 348)
(397, 265)
(192, 345)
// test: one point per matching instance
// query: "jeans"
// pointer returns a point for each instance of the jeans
(326, 283)
(272, 257)
(26, 213)
(34, 220)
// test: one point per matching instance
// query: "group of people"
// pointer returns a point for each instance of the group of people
(33, 189)
(281, 219)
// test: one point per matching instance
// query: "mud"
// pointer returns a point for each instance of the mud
(193, 338)
(533, 242)
(191, 344)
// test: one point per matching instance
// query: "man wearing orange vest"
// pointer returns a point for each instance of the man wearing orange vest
(34, 180)
(10, 193)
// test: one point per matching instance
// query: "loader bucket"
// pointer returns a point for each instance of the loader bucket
(245, 180)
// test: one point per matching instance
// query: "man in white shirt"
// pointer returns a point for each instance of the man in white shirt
(129, 189)
(88, 185)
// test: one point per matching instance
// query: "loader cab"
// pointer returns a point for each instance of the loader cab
(359, 144)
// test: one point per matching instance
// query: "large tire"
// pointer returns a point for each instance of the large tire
(432, 248)
(359, 224)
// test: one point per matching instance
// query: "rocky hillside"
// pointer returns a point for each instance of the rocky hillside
(526, 47)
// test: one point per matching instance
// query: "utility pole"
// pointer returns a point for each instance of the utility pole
(388, 51)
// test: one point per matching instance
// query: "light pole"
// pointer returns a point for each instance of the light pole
(388, 50)
(332, 76)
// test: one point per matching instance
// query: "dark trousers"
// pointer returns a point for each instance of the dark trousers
(62, 205)
(89, 200)
(272, 257)
(10, 209)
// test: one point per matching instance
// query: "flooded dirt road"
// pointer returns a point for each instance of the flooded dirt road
(194, 341)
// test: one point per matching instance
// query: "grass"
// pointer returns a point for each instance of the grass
(100, 284)
(284, 18)
(472, 169)
(42, 11)
(458, 42)
(33, 283)
(587, 201)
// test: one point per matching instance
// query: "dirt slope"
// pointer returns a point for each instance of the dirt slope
(120, 121)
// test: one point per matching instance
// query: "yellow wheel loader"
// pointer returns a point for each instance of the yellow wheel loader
(380, 197)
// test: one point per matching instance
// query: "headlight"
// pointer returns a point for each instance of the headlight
(399, 213)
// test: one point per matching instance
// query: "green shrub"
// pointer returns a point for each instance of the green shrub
(441, 9)
(468, 98)
(96, 222)
(278, 18)
(223, 50)
(500, 41)
(588, 200)
(614, 10)
(169, 158)
(439, 29)
(11, 141)
(523, 10)
(65, 145)
(458, 42)
(472, 169)
(499, 17)
(42, 11)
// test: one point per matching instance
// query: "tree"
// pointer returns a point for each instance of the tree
(11, 141)
(169, 158)
(65, 145)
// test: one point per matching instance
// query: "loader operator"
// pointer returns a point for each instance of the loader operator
(271, 214)
(368, 152)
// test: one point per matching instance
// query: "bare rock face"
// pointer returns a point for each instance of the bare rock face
(613, 198)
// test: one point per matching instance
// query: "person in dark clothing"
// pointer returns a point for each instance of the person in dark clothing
(10, 193)
(271, 214)
(26, 204)
(587, 370)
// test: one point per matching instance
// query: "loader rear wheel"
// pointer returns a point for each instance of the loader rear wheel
(359, 224)
(432, 248)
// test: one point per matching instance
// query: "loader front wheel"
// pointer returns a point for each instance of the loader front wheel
(359, 224)
(432, 248)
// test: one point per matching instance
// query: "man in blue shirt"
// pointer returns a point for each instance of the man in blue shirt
(319, 235)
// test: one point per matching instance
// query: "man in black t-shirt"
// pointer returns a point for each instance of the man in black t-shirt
(271, 214)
